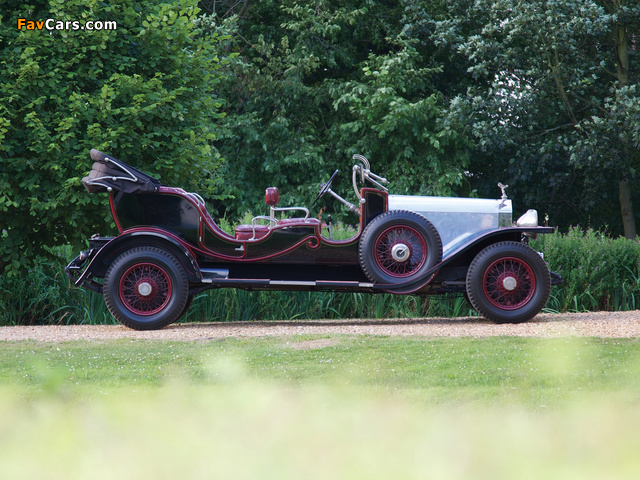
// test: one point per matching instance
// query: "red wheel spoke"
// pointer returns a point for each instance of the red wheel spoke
(403, 237)
(509, 283)
(145, 289)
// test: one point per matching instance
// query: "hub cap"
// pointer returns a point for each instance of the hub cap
(400, 252)
(510, 283)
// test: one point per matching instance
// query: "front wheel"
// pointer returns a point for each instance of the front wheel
(508, 282)
(146, 288)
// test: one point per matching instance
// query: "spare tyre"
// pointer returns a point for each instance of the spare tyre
(398, 248)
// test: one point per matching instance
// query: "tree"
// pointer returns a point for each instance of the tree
(545, 108)
(144, 92)
(319, 81)
(614, 127)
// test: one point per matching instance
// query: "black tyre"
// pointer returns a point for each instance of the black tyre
(146, 288)
(186, 307)
(466, 298)
(508, 282)
(399, 247)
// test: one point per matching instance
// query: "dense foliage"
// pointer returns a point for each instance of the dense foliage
(444, 97)
(144, 92)
(551, 86)
(319, 81)
(599, 272)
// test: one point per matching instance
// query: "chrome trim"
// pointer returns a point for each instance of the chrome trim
(356, 171)
(198, 197)
(209, 275)
(285, 209)
(262, 217)
(253, 224)
(529, 219)
(503, 188)
(366, 174)
(352, 208)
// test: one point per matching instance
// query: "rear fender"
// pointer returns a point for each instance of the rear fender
(108, 253)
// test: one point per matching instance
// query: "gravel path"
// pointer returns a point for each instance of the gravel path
(599, 324)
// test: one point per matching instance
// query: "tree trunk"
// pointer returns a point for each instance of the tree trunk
(626, 209)
(621, 38)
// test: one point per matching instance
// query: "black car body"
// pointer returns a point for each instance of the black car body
(170, 248)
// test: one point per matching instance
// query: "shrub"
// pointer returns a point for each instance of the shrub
(145, 92)
(599, 273)
(43, 295)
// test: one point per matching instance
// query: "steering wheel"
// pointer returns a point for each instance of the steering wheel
(325, 188)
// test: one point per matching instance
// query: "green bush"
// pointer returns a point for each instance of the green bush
(599, 273)
(145, 93)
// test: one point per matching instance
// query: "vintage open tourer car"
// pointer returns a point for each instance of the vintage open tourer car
(170, 249)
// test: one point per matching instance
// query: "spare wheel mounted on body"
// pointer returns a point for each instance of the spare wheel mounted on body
(398, 248)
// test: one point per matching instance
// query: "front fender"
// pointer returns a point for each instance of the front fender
(462, 254)
(464, 251)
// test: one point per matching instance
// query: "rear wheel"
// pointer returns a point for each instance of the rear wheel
(146, 288)
(399, 247)
(508, 282)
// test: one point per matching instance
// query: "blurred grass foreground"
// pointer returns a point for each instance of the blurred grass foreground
(255, 431)
(321, 408)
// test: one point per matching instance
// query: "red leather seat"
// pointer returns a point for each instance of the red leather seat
(246, 232)
(272, 197)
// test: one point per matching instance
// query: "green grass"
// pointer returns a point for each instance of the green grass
(317, 407)
(337, 407)
(527, 371)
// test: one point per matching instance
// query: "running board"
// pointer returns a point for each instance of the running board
(275, 284)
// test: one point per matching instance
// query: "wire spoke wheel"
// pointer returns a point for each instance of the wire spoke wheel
(509, 283)
(397, 248)
(145, 289)
(400, 251)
